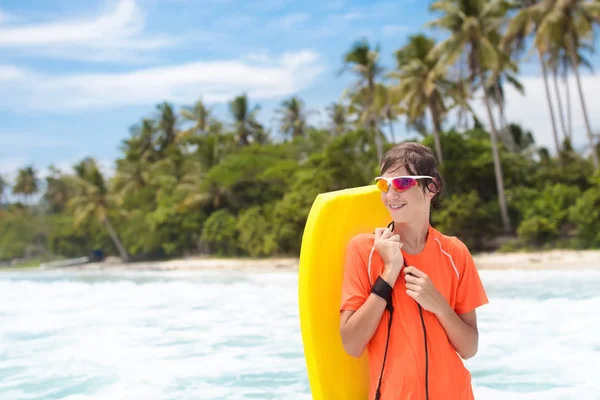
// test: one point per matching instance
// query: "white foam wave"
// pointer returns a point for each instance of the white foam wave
(236, 335)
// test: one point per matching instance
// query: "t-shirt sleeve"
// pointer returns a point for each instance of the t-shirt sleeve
(470, 292)
(355, 285)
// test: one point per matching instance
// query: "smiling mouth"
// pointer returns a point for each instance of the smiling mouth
(396, 207)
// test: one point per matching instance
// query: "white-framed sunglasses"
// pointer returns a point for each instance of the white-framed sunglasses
(399, 183)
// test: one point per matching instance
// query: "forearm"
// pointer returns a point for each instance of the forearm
(463, 337)
(360, 327)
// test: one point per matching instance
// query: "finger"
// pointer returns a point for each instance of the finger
(411, 278)
(386, 233)
(414, 271)
(381, 234)
(411, 293)
(395, 238)
(412, 287)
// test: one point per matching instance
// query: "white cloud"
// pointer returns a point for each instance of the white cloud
(115, 35)
(215, 81)
(10, 73)
(532, 113)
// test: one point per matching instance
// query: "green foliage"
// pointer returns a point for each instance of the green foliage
(212, 191)
(545, 215)
(226, 187)
(572, 170)
(16, 234)
(346, 161)
(220, 233)
(256, 236)
(585, 214)
(253, 176)
(538, 229)
(464, 216)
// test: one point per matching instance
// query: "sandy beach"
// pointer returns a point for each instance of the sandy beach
(553, 259)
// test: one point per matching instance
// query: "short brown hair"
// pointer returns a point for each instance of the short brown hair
(422, 159)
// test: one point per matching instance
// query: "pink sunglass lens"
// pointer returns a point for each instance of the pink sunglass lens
(403, 183)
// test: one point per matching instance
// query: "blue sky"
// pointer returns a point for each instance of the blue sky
(75, 76)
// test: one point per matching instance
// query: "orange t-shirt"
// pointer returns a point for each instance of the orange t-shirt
(449, 265)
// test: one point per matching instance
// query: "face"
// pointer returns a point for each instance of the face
(408, 205)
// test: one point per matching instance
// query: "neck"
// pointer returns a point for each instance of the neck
(413, 235)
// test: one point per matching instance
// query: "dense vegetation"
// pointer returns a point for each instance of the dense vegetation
(189, 183)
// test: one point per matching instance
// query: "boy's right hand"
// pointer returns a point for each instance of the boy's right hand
(388, 246)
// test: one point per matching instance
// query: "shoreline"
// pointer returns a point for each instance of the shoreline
(535, 260)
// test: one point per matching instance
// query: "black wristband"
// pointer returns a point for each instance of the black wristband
(382, 289)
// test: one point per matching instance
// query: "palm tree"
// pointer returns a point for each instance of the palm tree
(166, 126)
(554, 63)
(140, 146)
(423, 84)
(338, 118)
(199, 114)
(130, 176)
(525, 22)
(211, 149)
(572, 23)
(246, 125)
(192, 186)
(58, 190)
(559, 63)
(369, 109)
(504, 71)
(473, 25)
(389, 108)
(293, 117)
(27, 183)
(92, 198)
(364, 62)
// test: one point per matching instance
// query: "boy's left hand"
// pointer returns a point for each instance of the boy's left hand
(420, 287)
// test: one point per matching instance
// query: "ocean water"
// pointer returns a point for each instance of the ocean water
(236, 335)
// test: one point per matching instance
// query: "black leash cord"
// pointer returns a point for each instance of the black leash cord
(390, 308)
(426, 354)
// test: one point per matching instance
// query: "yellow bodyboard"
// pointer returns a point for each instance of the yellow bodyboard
(334, 218)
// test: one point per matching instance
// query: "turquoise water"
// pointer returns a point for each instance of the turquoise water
(235, 335)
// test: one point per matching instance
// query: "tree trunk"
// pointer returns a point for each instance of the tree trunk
(461, 111)
(376, 138)
(436, 132)
(550, 107)
(497, 166)
(116, 241)
(582, 100)
(559, 102)
(372, 120)
(508, 139)
(569, 120)
(392, 130)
